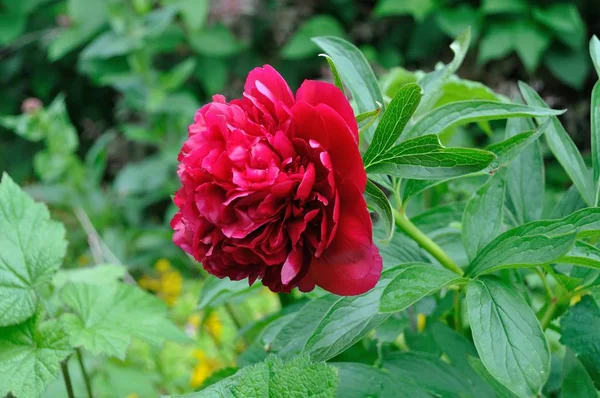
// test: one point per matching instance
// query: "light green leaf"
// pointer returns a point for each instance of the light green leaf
(440, 218)
(530, 42)
(483, 215)
(595, 53)
(571, 67)
(562, 147)
(570, 202)
(564, 20)
(30, 356)
(337, 80)
(496, 43)
(456, 113)
(177, 75)
(107, 317)
(193, 13)
(399, 250)
(508, 336)
(595, 126)
(499, 389)
(454, 20)
(366, 119)
(359, 380)
(216, 292)
(356, 74)
(456, 89)
(98, 274)
(504, 6)
(109, 45)
(582, 254)
(33, 247)
(418, 9)
(535, 243)
(525, 179)
(12, 25)
(300, 45)
(393, 122)
(296, 378)
(424, 158)
(579, 332)
(215, 41)
(412, 284)
(576, 382)
(381, 204)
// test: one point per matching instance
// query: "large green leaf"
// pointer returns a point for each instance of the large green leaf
(461, 112)
(576, 382)
(356, 74)
(425, 157)
(377, 200)
(30, 356)
(499, 389)
(412, 284)
(595, 126)
(300, 46)
(483, 215)
(535, 243)
(107, 317)
(99, 274)
(275, 378)
(392, 123)
(33, 247)
(563, 147)
(525, 179)
(359, 380)
(579, 331)
(216, 292)
(508, 336)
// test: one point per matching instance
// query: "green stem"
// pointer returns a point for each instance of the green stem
(457, 312)
(548, 314)
(86, 377)
(425, 242)
(67, 377)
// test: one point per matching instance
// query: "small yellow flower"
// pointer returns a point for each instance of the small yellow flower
(149, 283)
(203, 369)
(214, 326)
(171, 285)
(132, 395)
(575, 299)
(194, 320)
(83, 260)
(162, 265)
(421, 321)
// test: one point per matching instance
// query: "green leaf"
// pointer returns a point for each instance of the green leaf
(571, 67)
(530, 42)
(576, 382)
(393, 122)
(570, 202)
(456, 89)
(496, 43)
(506, 151)
(366, 119)
(595, 53)
(215, 41)
(504, 6)
(499, 389)
(216, 292)
(564, 20)
(107, 317)
(33, 248)
(30, 356)
(98, 274)
(413, 283)
(109, 45)
(579, 331)
(595, 126)
(300, 45)
(356, 74)
(483, 215)
(399, 250)
(453, 21)
(439, 218)
(508, 336)
(425, 158)
(12, 25)
(535, 243)
(177, 75)
(456, 113)
(337, 80)
(418, 9)
(295, 378)
(562, 147)
(582, 254)
(359, 380)
(525, 179)
(381, 204)
(193, 13)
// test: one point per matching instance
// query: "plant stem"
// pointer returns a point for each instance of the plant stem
(86, 377)
(67, 377)
(425, 242)
(457, 312)
(548, 314)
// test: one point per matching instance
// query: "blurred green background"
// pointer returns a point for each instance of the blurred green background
(97, 96)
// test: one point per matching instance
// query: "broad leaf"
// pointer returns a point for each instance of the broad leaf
(33, 247)
(356, 74)
(582, 254)
(381, 204)
(399, 250)
(563, 147)
(569, 203)
(359, 380)
(30, 356)
(337, 79)
(525, 179)
(508, 336)
(483, 215)
(425, 158)
(499, 389)
(535, 243)
(98, 275)
(576, 382)
(295, 378)
(107, 317)
(392, 123)
(412, 284)
(216, 292)
(461, 112)
(440, 218)
(579, 332)
(411, 188)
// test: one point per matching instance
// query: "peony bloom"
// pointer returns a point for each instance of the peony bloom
(272, 189)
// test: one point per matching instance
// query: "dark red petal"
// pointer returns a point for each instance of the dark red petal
(351, 265)
(316, 92)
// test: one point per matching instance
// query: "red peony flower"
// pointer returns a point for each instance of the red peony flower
(272, 189)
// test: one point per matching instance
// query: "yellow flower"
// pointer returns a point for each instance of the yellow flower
(149, 283)
(203, 369)
(162, 265)
(421, 321)
(194, 320)
(132, 395)
(575, 299)
(171, 284)
(214, 326)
